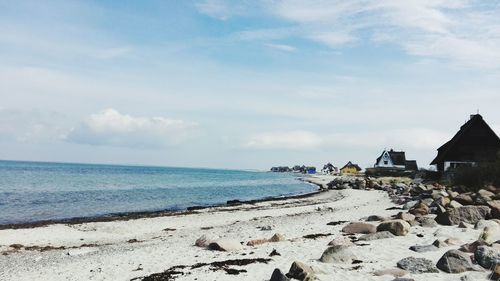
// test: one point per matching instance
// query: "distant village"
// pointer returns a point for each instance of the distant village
(474, 143)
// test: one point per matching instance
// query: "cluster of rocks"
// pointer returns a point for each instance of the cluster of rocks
(427, 206)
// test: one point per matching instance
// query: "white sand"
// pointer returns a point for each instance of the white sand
(116, 259)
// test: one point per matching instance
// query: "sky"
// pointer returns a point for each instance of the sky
(244, 84)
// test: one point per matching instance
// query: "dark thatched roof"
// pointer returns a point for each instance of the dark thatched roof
(475, 141)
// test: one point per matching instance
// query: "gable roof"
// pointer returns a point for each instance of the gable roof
(351, 165)
(397, 157)
(475, 121)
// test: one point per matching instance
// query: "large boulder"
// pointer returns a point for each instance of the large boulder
(468, 214)
(338, 254)
(487, 257)
(359, 227)
(417, 265)
(225, 244)
(455, 261)
(396, 227)
(301, 271)
(377, 235)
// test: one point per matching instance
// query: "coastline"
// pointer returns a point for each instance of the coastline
(319, 182)
(138, 248)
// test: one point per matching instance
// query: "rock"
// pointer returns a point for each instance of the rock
(462, 225)
(409, 205)
(486, 223)
(464, 199)
(441, 201)
(454, 261)
(204, 241)
(376, 218)
(266, 228)
(278, 276)
(405, 216)
(337, 254)
(417, 265)
(487, 234)
(423, 248)
(453, 194)
(495, 275)
(403, 279)
(301, 271)
(454, 204)
(224, 244)
(359, 227)
(468, 214)
(419, 209)
(277, 238)
(395, 272)
(376, 236)
(427, 222)
(439, 243)
(396, 227)
(472, 247)
(485, 194)
(256, 242)
(487, 257)
(341, 241)
(495, 208)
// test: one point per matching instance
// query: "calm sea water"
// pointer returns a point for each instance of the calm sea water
(34, 191)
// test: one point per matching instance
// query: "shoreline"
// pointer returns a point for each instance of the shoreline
(125, 216)
(165, 245)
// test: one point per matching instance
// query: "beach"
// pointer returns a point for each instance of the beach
(137, 248)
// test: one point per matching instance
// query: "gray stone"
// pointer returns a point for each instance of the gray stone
(455, 261)
(417, 265)
(278, 276)
(468, 214)
(337, 254)
(376, 218)
(376, 236)
(423, 248)
(487, 223)
(396, 227)
(403, 279)
(427, 222)
(487, 257)
(409, 205)
(359, 227)
(454, 204)
(301, 271)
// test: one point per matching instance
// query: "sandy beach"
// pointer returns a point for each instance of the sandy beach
(124, 250)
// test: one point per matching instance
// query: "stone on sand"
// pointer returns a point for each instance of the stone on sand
(455, 261)
(376, 236)
(301, 271)
(468, 214)
(225, 244)
(396, 227)
(487, 257)
(359, 227)
(338, 254)
(278, 276)
(417, 265)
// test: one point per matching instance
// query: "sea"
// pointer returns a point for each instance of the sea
(38, 191)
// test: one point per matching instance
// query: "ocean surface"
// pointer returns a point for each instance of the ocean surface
(35, 191)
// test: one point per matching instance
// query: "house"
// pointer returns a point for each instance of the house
(475, 142)
(395, 160)
(350, 168)
(329, 169)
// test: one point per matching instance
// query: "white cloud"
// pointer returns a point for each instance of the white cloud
(463, 32)
(282, 47)
(110, 127)
(292, 140)
(31, 126)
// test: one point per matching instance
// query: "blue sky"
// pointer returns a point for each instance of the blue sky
(243, 84)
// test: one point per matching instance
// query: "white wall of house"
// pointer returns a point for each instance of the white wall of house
(385, 161)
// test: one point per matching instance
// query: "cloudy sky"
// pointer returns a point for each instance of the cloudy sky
(243, 84)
